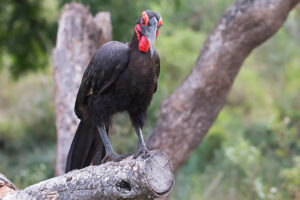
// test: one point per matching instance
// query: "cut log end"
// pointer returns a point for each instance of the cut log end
(159, 174)
(141, 179)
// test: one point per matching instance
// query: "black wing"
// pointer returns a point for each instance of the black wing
(157, 69)
(105, 67)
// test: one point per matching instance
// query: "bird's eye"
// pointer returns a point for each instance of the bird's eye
(159, 22)
(145, 18)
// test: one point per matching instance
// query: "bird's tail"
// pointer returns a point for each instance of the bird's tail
(86, 148)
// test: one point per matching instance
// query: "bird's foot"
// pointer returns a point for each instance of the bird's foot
(115, 157)
(143, 152)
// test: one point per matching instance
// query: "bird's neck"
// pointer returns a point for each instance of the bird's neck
(139, 44)
(134, 43)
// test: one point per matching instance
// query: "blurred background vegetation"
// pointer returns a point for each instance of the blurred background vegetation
(251, 152)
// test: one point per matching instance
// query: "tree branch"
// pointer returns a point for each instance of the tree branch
(293, 3)
(129, 179)
(186, 116)
(6, 186)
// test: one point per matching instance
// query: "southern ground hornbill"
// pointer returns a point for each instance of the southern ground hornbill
(120, 77)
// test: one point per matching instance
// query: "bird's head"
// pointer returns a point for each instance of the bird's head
(146, 30)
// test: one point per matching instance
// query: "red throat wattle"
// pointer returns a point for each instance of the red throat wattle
(143, 42)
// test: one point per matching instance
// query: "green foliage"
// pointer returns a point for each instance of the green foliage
(291, 177)
(26, 34)
(27, 128)
(251, 152)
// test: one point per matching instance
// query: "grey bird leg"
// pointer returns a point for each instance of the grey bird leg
(110, 154)
(142, 149)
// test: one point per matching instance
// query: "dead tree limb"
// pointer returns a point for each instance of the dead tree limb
(129, 179)
(186, 116)
(79, 35)
(6, 186)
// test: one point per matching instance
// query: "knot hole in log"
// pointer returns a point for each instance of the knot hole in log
(124, 185)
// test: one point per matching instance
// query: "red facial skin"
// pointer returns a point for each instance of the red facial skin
(145, 18)
(143, 42)
(159, 22)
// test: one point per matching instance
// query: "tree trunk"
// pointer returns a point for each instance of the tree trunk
(79, 36)
(186, 116)
(129, 179)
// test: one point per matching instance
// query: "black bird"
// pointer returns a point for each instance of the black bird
(120, 77)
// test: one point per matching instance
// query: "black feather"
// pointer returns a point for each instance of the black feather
(118, 78)
(85, 146)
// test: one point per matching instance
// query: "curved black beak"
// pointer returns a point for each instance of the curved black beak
(149, 32)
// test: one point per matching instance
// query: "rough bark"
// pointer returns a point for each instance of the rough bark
(6, 186)
(129, 179)
(186, 116)
(79, 35)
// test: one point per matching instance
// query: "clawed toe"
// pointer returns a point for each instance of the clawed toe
(142, 152)
(115, 157)
(125, 155)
